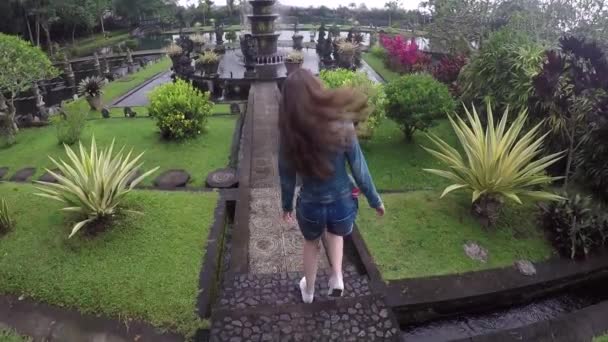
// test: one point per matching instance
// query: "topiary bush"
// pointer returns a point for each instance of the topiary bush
(575, 228)
(377, 98)
(181, 111)
(416, 101)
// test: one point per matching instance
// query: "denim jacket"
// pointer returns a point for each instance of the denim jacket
(334, 188)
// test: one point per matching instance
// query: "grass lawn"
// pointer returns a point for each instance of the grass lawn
(11, 336)
(378, 65)
(603, 338)
(422, 235)
(144, 267)
(198, 156)
(88, 45)
(396, 164)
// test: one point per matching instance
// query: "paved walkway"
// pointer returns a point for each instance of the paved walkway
(264, 304)
(139, 98)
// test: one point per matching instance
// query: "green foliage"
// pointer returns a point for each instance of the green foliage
(416, 101)
(6, 222)
(132, 44)
(359, 80)
(21, 65)
(91, 86)
(502, 71)
(93, 184)
(11, 336)
(378, 51)
(574, 226)
(209, 57)
(69, 124)
(498, 163)
(181, 111)
(231, 36)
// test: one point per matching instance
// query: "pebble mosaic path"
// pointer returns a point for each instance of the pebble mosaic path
(265, 304)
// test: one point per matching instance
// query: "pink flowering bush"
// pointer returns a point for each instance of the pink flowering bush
(404, 55)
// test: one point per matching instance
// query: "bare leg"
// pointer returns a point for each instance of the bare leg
(335, 246)
(311, 262)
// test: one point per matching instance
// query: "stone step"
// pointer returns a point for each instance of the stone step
(251, 290)
(348, 319)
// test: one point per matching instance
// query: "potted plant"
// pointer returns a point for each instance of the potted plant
(209, 62)
(298, 40)
(174, 52)
(199, 41)
(294, 61)
(90, 88)
(346, 54)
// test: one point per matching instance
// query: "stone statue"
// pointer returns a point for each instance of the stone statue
(41, 111)
(219, 34)
(295, 27)
(249, 48)
(97, 65)
(349, 36)
(129, 57)
(69, 75)
(186, 44)
(321, 40)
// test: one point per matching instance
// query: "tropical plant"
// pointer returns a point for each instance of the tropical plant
(574, 227)
(375, 92)
(404, 55)
(499, 162)
(174, 50)
(415, 101)
(93, 183)
(181, 110)
(6, 222)
(69, 124)
(572, 90)
(346, 47)
(294, 57)
(91, 86)
(502, 72)
(21, 65)
(198, 39)
(209, 57)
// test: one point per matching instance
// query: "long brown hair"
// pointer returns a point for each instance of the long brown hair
(315, 122)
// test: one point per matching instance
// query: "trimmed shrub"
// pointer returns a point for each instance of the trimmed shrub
(375, 92)
(181, 111)
(378, 51)
(448, 69)
(416, 101)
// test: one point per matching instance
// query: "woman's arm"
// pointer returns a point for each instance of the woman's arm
(288, 183)
(360, 172)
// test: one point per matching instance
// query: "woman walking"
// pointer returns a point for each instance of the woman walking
(318, 140)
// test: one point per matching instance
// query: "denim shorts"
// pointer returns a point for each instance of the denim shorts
(337, 217)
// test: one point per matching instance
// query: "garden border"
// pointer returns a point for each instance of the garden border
(211, 265)
(418, 300)
(29, 317)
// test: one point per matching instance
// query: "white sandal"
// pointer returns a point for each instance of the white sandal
(306, 297)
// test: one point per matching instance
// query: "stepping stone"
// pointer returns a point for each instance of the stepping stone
(47, 177)
(3, 172)
(476, 252)
(222, 178)
(172, 179)
(525, 267)
(23, 175)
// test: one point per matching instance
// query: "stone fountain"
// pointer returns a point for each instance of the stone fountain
(262, 22)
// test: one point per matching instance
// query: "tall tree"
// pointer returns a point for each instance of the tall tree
(392, 7)
(230, 5)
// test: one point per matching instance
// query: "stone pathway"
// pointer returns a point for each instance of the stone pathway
(264, 304)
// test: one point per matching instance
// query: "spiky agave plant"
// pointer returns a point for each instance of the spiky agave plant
(93, 183)
(499, 162)
(6, 222)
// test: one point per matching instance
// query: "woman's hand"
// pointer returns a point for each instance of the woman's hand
(288, 217)
(380, 210)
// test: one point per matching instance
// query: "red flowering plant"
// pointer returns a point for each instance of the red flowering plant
(404, 55)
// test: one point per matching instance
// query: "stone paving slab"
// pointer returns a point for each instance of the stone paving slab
(360, 319)
(140, 97)
(250, 290)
